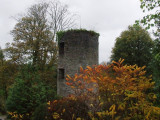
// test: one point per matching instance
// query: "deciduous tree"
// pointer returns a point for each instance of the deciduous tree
(121, 91)
(33, 39)
(153, 17)
(134, 45)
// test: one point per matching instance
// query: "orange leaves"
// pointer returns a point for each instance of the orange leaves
(122, 89)
(114, 92)
(89, 68)
(68, 77)
(116, 77)
(69, 84)
(81, 69)
(79, 82)
(68, 108)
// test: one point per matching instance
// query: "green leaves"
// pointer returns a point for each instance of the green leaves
(28, 92)
(134, 45)
(153, 17)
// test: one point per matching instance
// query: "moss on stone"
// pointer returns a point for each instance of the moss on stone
(61, 33)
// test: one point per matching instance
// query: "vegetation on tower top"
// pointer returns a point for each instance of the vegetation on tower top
(61, 33)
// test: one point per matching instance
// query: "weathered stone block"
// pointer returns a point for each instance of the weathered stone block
(76, 48)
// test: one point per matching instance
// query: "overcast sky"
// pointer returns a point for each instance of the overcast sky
(107, 17)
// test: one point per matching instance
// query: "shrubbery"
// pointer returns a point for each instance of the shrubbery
(68, 108)
(114, 91)
(104, 92)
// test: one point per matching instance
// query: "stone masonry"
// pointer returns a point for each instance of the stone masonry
(76, 48)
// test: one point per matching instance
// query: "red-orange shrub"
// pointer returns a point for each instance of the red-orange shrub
(116, 91)
(69, 108)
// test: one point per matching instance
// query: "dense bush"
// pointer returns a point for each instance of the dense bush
(40, 112)
(103, 92)
(27, 93)
(68, 108)
(122, 91)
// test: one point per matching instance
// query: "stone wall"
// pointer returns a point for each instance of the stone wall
(76, 48)
(3, 117)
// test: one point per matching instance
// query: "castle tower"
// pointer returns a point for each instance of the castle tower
(76, 48)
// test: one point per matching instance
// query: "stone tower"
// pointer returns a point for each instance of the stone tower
(76, 48)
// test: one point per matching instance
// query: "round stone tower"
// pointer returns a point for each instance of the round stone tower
(76, 48)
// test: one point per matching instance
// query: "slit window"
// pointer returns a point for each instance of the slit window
(61, 48)
(61, 73)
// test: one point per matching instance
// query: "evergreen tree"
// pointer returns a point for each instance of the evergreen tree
(28, 92)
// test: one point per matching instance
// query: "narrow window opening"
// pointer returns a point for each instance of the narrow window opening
(61, 73)
(61, 48)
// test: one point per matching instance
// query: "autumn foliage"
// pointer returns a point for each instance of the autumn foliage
(115, 91)
(68, 108)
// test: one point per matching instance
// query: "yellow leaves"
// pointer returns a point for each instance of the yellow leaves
(121, 61)
(143, 67)
(109, 99)
(112, 110)
(93, 81)
(121, 106)
(120, 88)
(99, 98)
(101, 104)
(91, 105)
(55, 115)
(147, 116)
(99, 114)
(90, 114)
(78, 119)
(69, 77)
(156, 110)
(81, 69)
(152, 96)
(64, 110)
(54, 101)
(118, 118)
(72, 87)
(135, 94)
(49, 102)
(16, 116)
(89, 68)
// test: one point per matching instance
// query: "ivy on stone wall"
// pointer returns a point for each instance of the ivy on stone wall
(60, 34)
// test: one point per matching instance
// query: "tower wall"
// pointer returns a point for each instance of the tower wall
(76, 48)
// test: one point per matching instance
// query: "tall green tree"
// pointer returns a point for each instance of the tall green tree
(7, 74)
(134, 45)
(28, 92)
(155, 65)
(2, 108)
(152, 19)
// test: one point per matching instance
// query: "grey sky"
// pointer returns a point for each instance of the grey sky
(107, 17)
